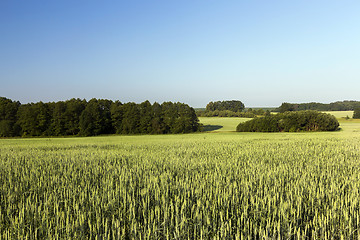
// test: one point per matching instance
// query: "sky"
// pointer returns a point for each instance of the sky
(260, 52)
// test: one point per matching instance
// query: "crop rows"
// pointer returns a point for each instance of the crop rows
(212, 186)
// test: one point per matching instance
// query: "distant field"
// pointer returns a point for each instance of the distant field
(347, 124)
(221, 124)
(341, 114)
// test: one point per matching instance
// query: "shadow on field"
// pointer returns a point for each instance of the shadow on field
(208, 128)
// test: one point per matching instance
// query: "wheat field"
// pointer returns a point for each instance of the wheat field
(194, 186)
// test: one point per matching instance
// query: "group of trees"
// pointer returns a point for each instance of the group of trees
(356, 114)
(232, 105)
(8, 117)
(334, 106)
(291, 122)
(232, 108)
(94, 117)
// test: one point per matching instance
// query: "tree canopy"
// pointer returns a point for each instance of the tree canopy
(233, 105)
(8, 117)
(356, 113)
(94, 117)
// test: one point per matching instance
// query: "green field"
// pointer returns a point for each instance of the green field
(193, 186)
(341, 114)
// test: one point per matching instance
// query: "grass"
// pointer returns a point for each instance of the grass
(341, 114)
(194, 186)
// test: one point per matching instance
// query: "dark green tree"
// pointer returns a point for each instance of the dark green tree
(170, 115)
(131, 119)
(8, 118)
(233, 105)
(34, 119)
(96, 118)
(285, 107)
(356, 114)
(146, 113)
(58, 120)
(187, 121)
(105, 115)
(117, 113)
(43, 117)
(90, 119)
(157, 120)
(74, 109)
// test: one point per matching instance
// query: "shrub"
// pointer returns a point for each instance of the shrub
(291, 122)
(356, 113)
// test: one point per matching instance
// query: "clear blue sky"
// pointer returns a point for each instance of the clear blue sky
(260, 52)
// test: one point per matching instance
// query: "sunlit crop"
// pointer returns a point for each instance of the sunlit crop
(196, 186)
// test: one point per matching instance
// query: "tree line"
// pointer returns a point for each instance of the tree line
(94, 117)
(249, 113)
(291, 122)
(334, 106)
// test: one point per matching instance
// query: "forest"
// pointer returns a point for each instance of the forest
(94, 117)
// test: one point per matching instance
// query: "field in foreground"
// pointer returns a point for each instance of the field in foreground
(193, 186)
